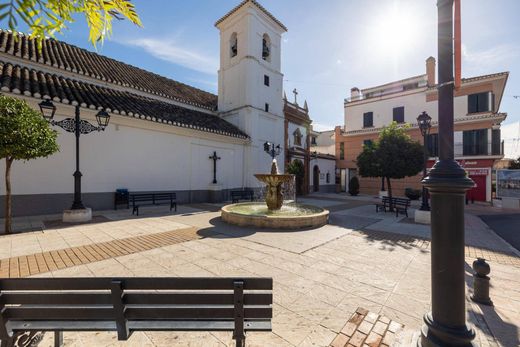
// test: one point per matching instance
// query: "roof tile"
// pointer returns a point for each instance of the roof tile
(67, 57)
(18, 79)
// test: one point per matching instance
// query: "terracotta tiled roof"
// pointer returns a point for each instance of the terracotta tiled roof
(254, 2)
(30, 82)
(67, 57)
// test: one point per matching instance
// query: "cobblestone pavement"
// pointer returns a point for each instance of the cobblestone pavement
(367, 329)
(321, 276)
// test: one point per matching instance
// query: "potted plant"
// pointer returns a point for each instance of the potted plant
(412, 194)
(353, 186)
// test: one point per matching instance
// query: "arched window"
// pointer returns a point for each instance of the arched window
(233, 45)
(266, 48)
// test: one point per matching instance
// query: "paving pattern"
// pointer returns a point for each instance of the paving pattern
(367, 329)
(472, 252)
(321, 277)
(33, 264)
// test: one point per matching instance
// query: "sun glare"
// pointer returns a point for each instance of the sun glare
(394, 32)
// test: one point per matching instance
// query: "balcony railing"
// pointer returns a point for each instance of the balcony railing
(473, 150)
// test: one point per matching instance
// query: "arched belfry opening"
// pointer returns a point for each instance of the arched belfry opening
(266, 47)
(233, 45)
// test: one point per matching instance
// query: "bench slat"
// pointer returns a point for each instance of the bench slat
(193, 299)
(158, 312)
(59, 313)
(35, 298)
(157, 325)
(133, 283)
(134, 298)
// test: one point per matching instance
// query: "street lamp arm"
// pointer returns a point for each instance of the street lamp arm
(69, 125)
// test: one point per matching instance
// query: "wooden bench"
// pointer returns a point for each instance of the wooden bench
(401, 205)
(133, 304)
(237, 195)
(155, 199)
(398, 204)
(383, 204)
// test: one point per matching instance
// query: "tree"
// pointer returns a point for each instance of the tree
(46, 17)
(514, 164)
(393, 156)
(24, 135)
(296, 168)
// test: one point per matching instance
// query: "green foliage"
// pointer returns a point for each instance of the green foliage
(296, 168)
(368, 163)
(412, 194)
(353, 186)
(46, 17)
(393, 156)
(397, 154)
(24, 134)
(515, 164)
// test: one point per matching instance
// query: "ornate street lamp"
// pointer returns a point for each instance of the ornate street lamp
(447, 183)
(77, 126)
(272, 150)
(424, 121)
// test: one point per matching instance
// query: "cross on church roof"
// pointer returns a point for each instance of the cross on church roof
(295, 92)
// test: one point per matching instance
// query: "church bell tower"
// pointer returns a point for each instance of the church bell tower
(250, 83)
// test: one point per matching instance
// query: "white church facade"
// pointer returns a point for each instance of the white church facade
(161, 132)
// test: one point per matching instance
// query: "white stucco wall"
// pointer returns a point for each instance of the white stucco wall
(134, 154)
(325, 166)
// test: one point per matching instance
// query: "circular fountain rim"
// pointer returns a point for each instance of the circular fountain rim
(317, 219)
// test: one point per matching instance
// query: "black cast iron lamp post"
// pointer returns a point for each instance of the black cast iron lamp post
(424, 121)
(77, 126)
(271, 149)
(447, 183)
(214, 157)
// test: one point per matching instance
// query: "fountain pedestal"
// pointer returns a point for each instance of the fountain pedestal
(274, 181)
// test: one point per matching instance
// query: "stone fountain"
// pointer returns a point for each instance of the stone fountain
(276, 215)
(274, 181)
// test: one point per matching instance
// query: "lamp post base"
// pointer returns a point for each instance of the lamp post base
(435, 335)
(77, 216)
(423, 217)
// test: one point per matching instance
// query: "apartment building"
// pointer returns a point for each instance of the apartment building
(477, 126)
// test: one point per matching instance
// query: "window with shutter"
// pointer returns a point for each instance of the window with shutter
(368, 119)
(398, 114)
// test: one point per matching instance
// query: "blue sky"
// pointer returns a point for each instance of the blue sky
(331, 45)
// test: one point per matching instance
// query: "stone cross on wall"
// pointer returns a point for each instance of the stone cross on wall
(295, 92)
(214, 157)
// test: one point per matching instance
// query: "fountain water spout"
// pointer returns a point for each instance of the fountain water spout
(274, 181)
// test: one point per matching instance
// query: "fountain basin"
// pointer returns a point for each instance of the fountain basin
(290, 216)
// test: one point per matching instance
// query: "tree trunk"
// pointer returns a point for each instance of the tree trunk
(7, 227)
(389, 189)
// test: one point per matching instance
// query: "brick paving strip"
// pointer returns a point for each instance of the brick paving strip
(414, 241)
(33, 264)
(367, 329)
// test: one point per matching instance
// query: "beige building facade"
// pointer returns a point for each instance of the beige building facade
(476, 134)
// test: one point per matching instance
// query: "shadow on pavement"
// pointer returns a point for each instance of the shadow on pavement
(222, 230)
(505, 333)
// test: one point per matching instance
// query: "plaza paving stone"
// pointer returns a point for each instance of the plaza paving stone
(321, 276)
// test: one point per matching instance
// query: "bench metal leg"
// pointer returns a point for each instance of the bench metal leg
(238, 300)
(7, 343)
(58, 338)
